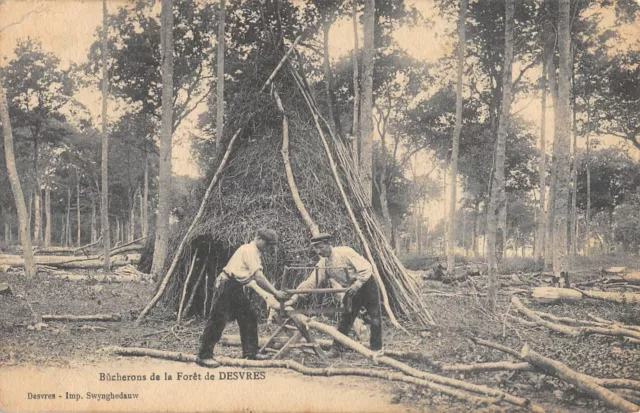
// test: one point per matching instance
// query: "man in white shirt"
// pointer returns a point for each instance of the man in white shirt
(231, 303)
(344, 266)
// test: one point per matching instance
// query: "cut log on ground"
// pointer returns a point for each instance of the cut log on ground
(500, 365)
(616, 297)
(104, 278)
(310, 371)
(608, 383)
(608, 322)
(550, 295)
(380, 358)
(91, 317)
(612, 330)
(583, 382)
(58, 261)
(5, 289)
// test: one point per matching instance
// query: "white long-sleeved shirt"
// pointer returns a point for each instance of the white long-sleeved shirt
(244, 263)
(358, 269)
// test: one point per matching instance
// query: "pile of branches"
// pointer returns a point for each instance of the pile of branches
(251, 192)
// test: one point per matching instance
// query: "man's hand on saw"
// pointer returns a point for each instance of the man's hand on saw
(351, 291)
(281, 295)
(292, 301)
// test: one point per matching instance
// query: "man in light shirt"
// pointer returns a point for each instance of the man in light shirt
(359, 280)
(231, 303)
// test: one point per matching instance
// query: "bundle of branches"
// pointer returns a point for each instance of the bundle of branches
(403, 290)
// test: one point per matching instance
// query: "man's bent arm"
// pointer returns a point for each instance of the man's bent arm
(263, 282)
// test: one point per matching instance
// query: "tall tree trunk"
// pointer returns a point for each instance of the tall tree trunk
(220, 77)
(366, 113)
(78, 217)
(573, 216)
(553, 87)
(542, 166)
(563, 141)
(355, 125)
(334, 115)
(451, 253)
(118, 230)
(164, 191)
(445, 214)
(497, 186)
(476, 221)
(47, 213)
(67, 239)
(104, 202)
(588, 166)
(94, 234)
(30, 212)
(132, 218)
(382, 186)
(16, 186)
(145, 199)
(37, 228)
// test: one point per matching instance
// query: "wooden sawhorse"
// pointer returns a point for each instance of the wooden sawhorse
(294, 329)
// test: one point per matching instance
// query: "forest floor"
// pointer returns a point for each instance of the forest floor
(73, 348)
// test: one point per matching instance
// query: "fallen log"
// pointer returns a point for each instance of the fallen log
(5, 289)
(583, 382)
(499, 365)
(614, 270)
(105, 278)
(71, 317)
(607, 322)
(310, 371)
(58, 261)
(550, 295)
(608, 383)
(380, 358)
(612, 330)
(616, 297)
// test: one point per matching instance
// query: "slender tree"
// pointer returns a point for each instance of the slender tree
(451, 252)
(366, 111)
(553, 87)
(542, 165)
(355, 125)
(498, 182)
(104, 204)
(220, 79)
(562, 140)
(164, 190)
(16, 187)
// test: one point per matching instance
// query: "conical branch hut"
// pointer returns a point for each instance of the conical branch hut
(252, 190)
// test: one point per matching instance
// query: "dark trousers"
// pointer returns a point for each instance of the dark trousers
(230, 303)
(369, 298)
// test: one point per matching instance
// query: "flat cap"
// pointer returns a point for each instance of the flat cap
(321, 238)
(268, 235)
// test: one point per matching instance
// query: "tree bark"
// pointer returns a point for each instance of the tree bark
(164, 191)
(16, 186)
(67, 238)
(542, 166)
(334, 115)
(588, 166)
(132, 217)
(47, 209)
(563, 142)
(145, 200)
(451, 253)
(497, 187)
(37, 228)
(355, 125)
(104, 202)
(220, 78)
(553, 87)
(366, 114)
(94, 234)
(78, 215)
